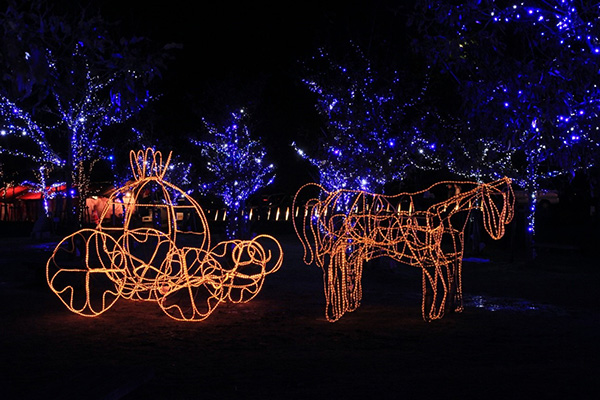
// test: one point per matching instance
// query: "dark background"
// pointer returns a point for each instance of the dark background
(248, 54)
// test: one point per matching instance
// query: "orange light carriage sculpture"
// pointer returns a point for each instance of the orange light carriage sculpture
(177, 268)
(342, 230)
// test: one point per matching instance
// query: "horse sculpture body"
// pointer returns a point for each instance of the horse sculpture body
(341, 230)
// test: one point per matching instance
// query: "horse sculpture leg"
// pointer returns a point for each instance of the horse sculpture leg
(334, 284)
(453, 261)
(455, 298)
(434, 293)
(354, 266)
(442, 289)
(343, 284)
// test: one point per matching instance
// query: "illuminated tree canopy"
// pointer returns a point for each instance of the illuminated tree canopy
(65, 80)
(237, 167)
(526, 75)
(364, 144)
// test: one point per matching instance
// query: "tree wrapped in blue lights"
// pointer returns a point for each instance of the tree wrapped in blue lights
(236, 163)
(455, 145)
(65, 83)
(527, 74)
(363, 145)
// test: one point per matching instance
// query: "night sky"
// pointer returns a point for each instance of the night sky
(240, 53)
(242, 35)
(243, 40)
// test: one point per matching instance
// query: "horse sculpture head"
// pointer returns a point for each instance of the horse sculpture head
(497, 206)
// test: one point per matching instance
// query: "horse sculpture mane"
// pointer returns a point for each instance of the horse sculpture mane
(343, 229)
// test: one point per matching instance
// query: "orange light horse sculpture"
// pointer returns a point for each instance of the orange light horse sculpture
(348, 228)
(171, 262)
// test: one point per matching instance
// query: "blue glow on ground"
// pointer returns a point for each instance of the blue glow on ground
(511, 305)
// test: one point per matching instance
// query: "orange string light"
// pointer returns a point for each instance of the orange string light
(342, 230)
(177, 268)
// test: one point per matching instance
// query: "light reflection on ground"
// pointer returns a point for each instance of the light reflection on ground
(511, 305)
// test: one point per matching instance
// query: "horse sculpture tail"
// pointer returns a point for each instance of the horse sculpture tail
(302, 213)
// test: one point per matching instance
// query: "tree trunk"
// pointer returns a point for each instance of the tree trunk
(532, 190)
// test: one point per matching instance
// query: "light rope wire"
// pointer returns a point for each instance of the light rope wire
(341, 230)
(178, 269)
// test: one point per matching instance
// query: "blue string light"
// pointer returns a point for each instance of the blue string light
(365, 145)
(529, 73)
(236, 163)
(82, 118)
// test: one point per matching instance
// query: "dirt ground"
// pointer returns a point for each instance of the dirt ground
(529, 330)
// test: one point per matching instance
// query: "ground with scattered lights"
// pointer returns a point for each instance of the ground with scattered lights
(529, 330)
